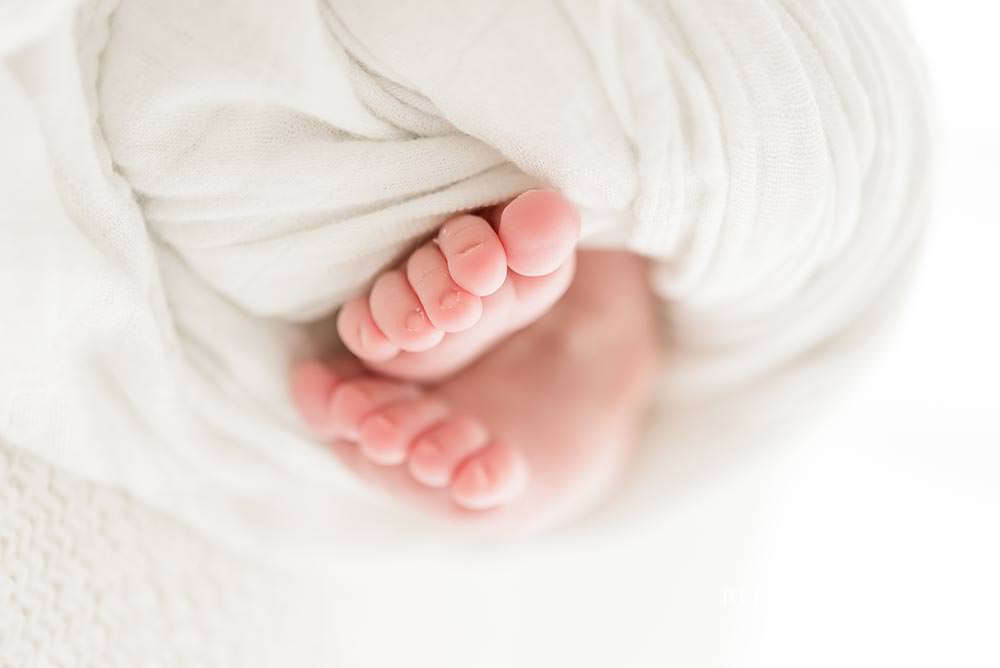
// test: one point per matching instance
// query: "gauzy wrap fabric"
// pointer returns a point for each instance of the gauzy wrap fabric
(224, 174)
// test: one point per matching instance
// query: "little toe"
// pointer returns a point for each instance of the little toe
(361, 335)
(449, 307)
(312, 385)
(438, 451)
(399, 315)
(491, 477)
(475, 256)
(385, 434)
(539, 230)
(352, 401)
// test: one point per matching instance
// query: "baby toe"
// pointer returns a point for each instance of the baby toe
(361, 335)
(385, 435)
(489, 478)
(399, 315)
(438, 451)
(312, 384)
(474, 254)
(352, 401)
(448, 306)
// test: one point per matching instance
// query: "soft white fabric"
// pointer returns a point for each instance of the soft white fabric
(88, 577)
(226, 172)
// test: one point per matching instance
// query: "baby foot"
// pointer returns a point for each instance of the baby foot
(382, 423)
(458, 294)
(527, 436)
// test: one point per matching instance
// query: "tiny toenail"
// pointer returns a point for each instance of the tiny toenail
(473, 247)
(415, 321)
(427, 450)
(451, 300)
(381, 423)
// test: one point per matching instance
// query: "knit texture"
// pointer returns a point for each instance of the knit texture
(89, 577)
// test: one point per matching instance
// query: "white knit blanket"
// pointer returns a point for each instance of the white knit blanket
(217, 177)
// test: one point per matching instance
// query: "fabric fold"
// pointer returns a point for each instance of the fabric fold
(228, 173)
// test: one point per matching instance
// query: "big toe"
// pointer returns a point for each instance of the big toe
(539, 230)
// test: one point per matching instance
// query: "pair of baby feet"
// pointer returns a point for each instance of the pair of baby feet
(485, 382)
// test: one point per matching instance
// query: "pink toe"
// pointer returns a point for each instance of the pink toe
(312, 383)
(399, 315)
(539, 231)
(475, 256)
(361, 335)
(385, 435)
(490, 478)
(427, 464)
(448, 306)
(354, 400)
(437, 452)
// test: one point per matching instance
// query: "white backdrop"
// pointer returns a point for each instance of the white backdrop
(881, 543)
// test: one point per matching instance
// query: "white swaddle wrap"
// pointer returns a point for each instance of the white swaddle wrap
(229, 172)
